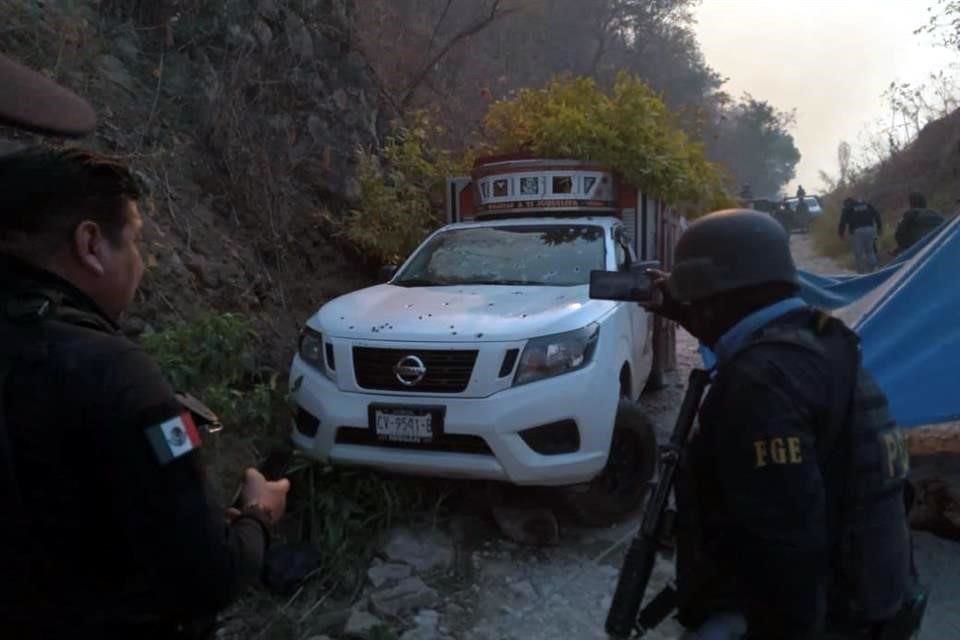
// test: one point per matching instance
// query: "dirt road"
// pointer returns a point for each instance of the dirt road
(472, 584)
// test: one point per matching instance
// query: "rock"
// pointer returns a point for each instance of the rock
(427, 622)
(262, 32)
(133, 326)
(936, 508)
(341, 99)
(115, 71)
(934, 440)
(298, 35)
(409, 595)
(360, 623)
(267, 8)
(535, 526)
(524, 589)
(204, 271)
(332, 619)
(424, 550)
(387, 572)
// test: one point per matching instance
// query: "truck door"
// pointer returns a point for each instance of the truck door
(640, 325)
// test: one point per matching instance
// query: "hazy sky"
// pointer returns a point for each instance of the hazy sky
(829, 59)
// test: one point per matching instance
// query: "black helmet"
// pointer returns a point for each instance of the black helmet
(728, 250)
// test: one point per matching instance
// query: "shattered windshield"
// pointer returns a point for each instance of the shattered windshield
(550, 255)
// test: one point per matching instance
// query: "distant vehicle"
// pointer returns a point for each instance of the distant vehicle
(797, 218)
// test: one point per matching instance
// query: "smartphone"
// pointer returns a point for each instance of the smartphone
(274, 467)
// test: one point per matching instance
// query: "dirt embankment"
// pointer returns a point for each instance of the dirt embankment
(242, 119)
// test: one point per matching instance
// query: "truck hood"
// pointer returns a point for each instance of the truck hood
(479, 313)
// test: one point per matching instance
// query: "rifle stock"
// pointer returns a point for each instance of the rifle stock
(642, 554)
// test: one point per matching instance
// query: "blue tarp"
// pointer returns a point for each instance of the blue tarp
(908, 317)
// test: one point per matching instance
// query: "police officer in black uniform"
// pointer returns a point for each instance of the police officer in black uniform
(864, 224)
(916, 222)
(109, 530)
(792, 517)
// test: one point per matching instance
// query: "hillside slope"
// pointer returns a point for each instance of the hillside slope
(242, 119)
(930, 164)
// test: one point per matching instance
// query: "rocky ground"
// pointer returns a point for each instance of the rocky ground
(466, 581)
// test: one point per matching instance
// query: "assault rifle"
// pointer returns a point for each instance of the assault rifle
(625, 616)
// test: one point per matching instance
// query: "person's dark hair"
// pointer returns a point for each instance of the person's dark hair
(916, 200)
(45, 193)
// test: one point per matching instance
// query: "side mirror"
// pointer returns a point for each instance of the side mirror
(387, 272)
(635, 285)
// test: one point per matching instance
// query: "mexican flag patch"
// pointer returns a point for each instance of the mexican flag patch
(174, 438)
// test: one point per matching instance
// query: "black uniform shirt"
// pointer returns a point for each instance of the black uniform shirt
(112, 532)
(761, 496)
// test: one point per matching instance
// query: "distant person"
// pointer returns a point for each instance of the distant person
(864, 224)
(800, 193)
(916, 222)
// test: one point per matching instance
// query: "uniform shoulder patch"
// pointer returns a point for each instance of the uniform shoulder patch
(173, 438)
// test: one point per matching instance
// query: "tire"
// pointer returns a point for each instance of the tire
(655, 381)
(622, 485)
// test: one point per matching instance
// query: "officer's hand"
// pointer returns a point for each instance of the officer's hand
(271, 496)
(668, 307)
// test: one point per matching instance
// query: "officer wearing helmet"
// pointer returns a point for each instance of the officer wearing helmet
(792, 506)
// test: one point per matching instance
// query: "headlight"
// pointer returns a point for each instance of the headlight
(311, 350)
(560, 353)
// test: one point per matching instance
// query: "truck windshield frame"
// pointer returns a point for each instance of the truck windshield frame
(546, 255)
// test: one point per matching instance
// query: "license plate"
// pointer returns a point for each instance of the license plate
(399, 425)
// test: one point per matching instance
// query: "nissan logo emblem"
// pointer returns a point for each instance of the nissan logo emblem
(410, 370)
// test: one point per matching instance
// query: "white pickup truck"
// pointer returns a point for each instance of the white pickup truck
(483, 357)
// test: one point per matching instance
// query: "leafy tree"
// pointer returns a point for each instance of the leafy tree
(752, 140)
(628, 129)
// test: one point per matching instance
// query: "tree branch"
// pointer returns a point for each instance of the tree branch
(436, 27)
(481, 24)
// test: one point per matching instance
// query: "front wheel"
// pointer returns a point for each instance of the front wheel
(622, 485)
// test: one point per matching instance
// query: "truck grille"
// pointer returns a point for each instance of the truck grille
(446, 371)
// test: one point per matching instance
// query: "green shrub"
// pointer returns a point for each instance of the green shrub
(630, 130)
(214, 358)
(398, 205)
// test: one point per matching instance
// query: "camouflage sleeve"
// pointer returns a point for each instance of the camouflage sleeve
(767, 464)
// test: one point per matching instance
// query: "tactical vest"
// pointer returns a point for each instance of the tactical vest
(862, 452)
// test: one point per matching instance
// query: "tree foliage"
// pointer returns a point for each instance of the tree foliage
(753, 141)
(497, 49)
(401, 191)
(628, 129)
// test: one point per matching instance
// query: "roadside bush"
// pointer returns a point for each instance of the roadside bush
(401, 192)
(214, 358)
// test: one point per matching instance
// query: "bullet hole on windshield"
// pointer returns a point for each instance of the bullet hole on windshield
(453, 333)
(410, 306)
(351, 327)
(490, 304)
(523, 315)
(479, 335)
(446, 304)
(429, 315)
